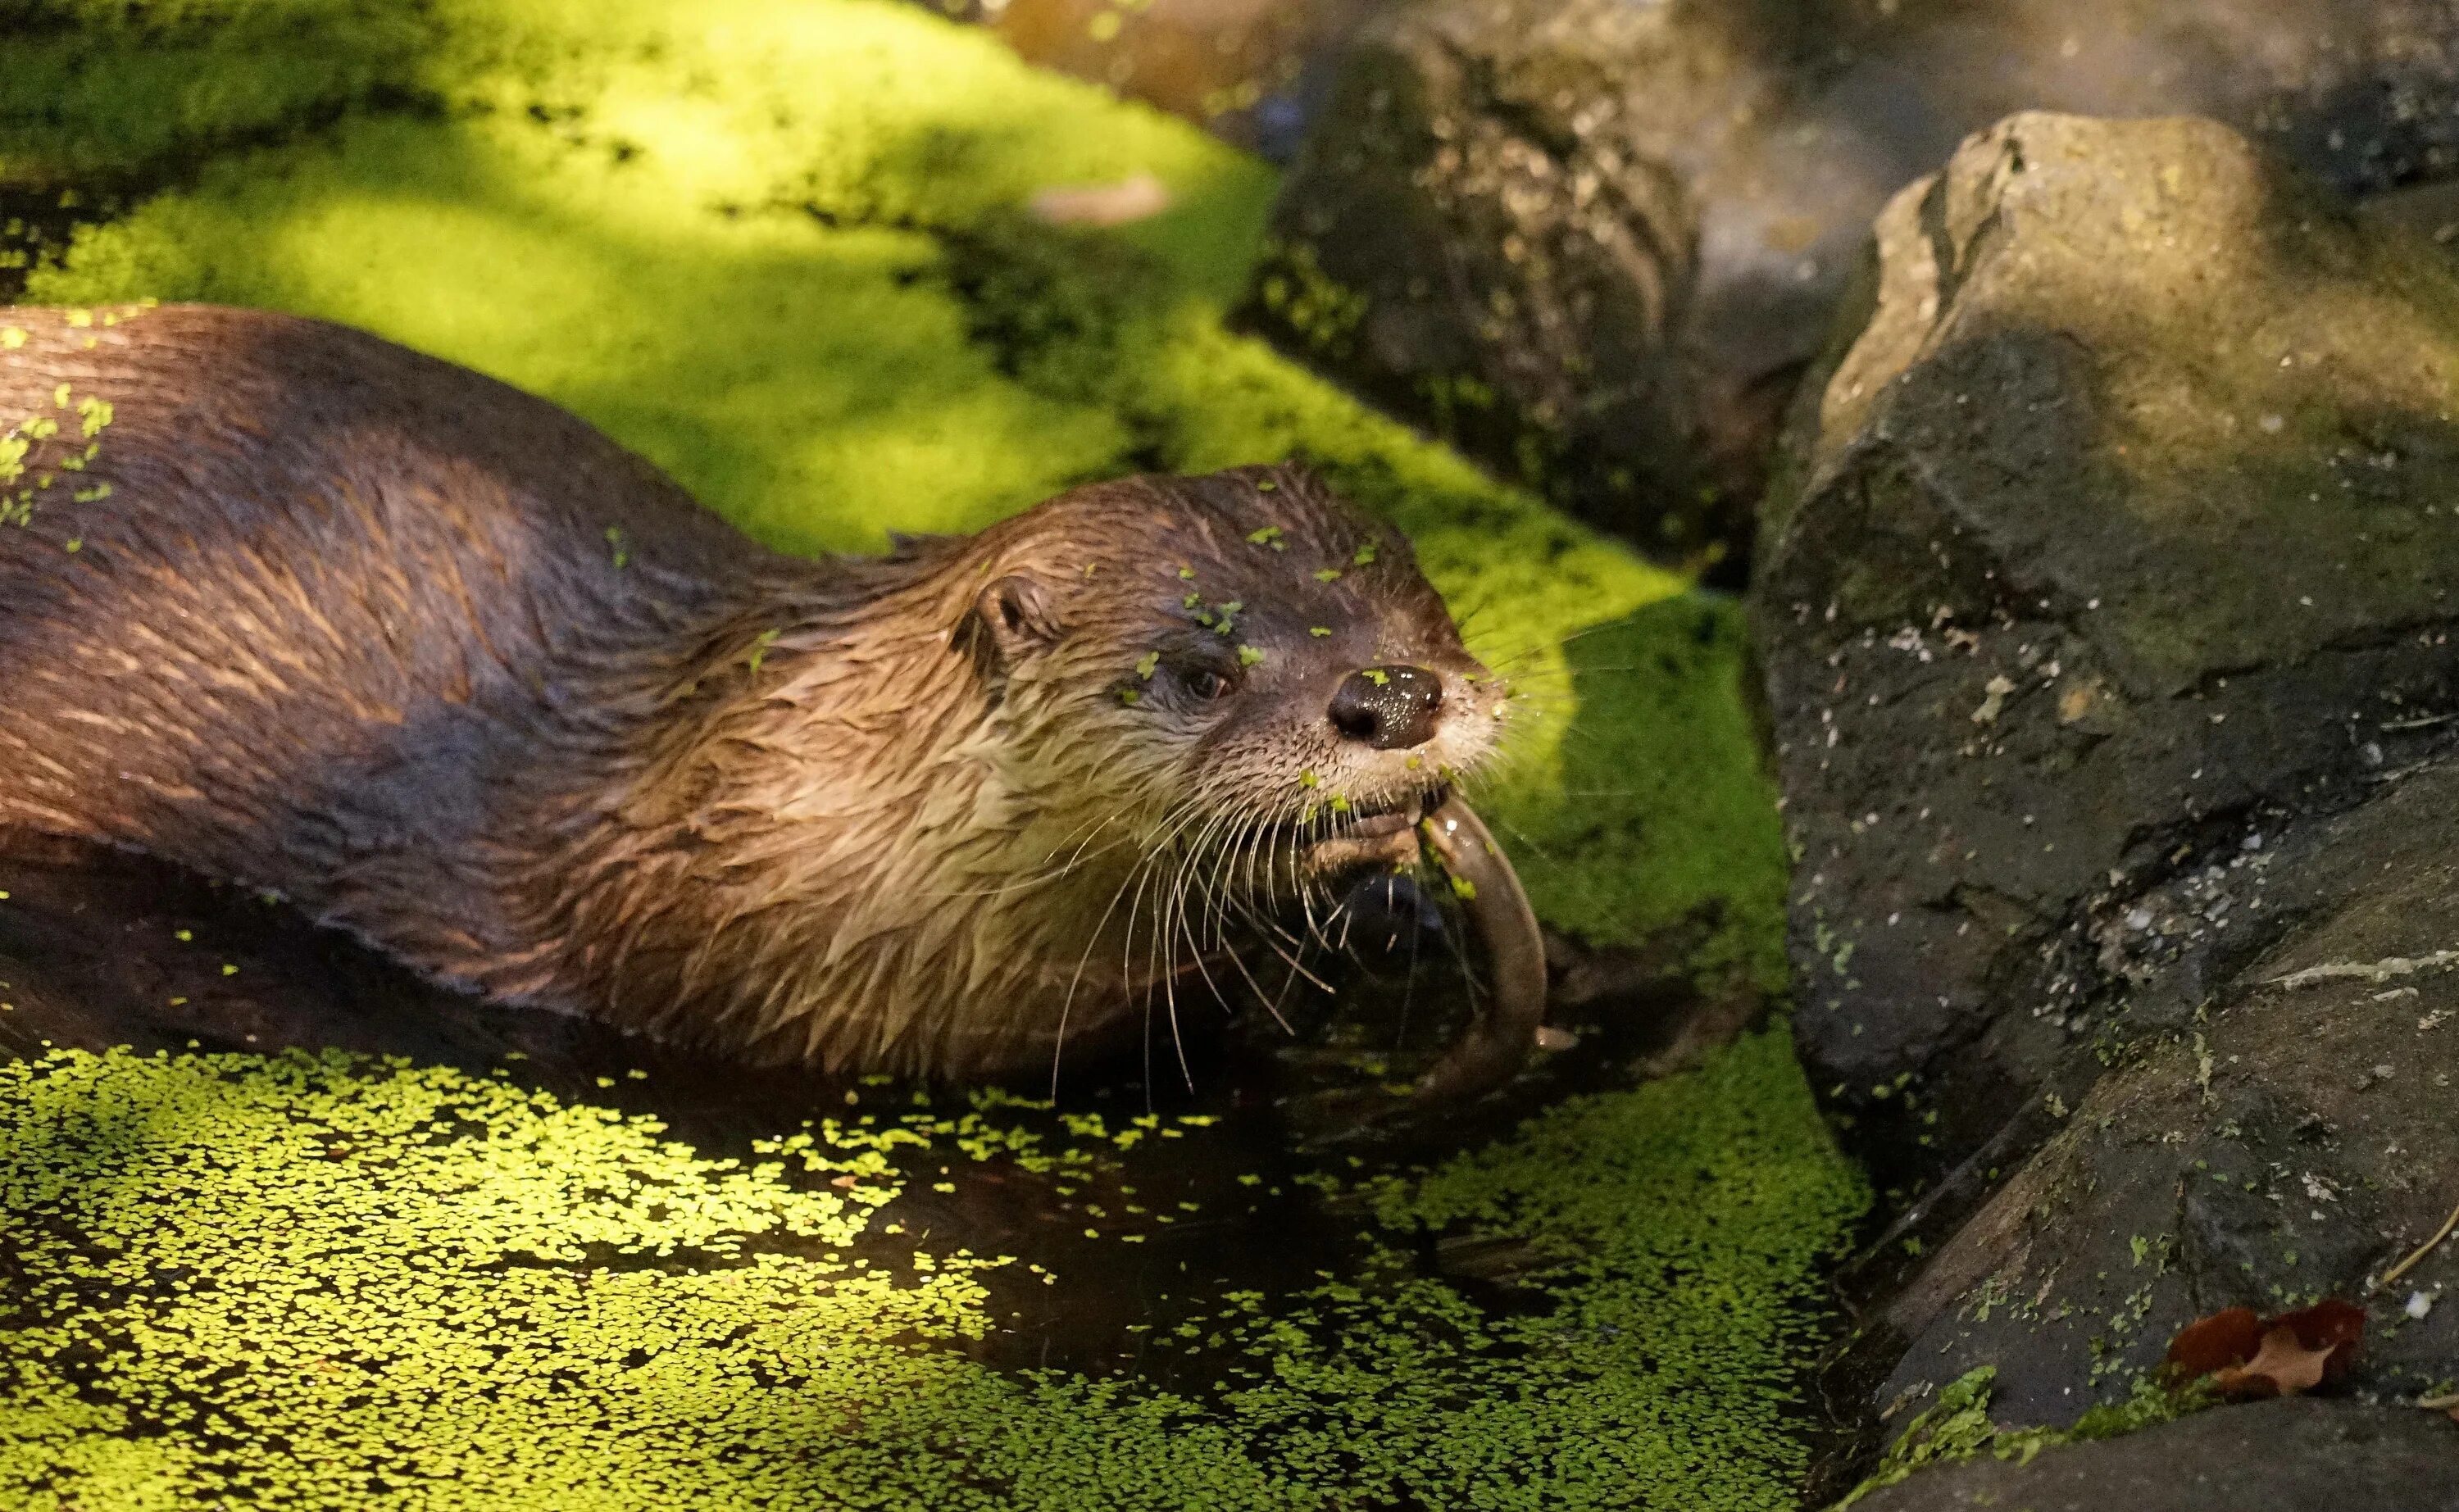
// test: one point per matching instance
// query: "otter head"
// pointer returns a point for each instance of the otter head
(1245, 668)
(1222, 690)
(998, 789)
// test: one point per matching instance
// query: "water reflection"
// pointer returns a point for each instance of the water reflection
(1252, 72)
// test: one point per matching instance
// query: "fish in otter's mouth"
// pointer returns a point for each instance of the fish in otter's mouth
(455, 673)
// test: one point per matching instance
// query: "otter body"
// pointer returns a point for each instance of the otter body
(295, 607)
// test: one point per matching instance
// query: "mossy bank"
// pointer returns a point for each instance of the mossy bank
(782, 251)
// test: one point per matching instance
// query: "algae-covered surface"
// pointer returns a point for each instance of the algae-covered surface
(313, 1280)
(781, 249)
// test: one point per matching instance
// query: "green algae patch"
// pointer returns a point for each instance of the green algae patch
(326, 1281)
(1958, 1427)
(312, 1281)
(782, 251)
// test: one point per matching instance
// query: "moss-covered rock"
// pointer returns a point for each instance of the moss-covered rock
(2287, 1456)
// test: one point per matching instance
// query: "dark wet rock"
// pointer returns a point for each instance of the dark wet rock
(1596, 240)
(2120, 527)
(2293, 1455)
(2106, 612)
(2278, 1129)
(1487, 232)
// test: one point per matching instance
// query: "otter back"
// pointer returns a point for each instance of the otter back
(293, 605)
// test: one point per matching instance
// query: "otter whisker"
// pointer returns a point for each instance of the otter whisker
(1199, 855)
(1147, 868)
(1041, 879)
(1451, 931)
(1169, 988)
(1287, 982)
(1219, 911)
(1165, 945)
(1294, 964)
(1525, 838)
(1219, 870)
(1067, 1004)
(1144, 872)
(1271, 1005)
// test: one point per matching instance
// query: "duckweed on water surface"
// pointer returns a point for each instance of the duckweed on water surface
(779, 249)
(329, 1282)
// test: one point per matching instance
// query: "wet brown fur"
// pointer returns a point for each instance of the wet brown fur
(450, 670)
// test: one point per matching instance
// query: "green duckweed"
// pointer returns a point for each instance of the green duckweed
(781, 250)
(325, 1281)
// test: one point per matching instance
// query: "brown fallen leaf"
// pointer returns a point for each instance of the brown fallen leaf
(2282, 1367)
(2248, 1358)
(2209, 1345)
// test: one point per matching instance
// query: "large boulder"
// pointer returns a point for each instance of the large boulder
(2279, 1457)
(1597, 239)
(2120, 526)
(2106, 608)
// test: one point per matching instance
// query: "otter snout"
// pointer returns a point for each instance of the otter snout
(1388, 707)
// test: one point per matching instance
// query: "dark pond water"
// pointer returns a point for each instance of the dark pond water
(101, 949)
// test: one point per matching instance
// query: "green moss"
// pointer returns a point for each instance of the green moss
(99, 91)
(777, 251)
(1292, 287)
(1958, 1427)
(780, 250)
(320, 1281)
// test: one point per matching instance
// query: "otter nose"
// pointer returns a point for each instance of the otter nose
(1388, 707)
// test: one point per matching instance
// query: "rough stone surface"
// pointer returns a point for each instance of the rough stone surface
(2123, 526)
(1597, 239)
(2106, 609)
(1486, 232)
(2296, 1455)
(2278, 1127)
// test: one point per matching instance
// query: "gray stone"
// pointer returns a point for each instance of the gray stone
(2277, 1129)
(2293, 1456)
(1596, 240)
(2124, 523)
(2106, 610)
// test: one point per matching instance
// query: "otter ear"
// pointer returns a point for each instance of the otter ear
(1012, 621)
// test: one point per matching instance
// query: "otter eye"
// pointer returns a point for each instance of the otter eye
(1204, 682)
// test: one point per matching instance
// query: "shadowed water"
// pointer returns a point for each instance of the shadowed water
(101, 949)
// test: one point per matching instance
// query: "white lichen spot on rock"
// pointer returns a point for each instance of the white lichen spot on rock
(1993, 701)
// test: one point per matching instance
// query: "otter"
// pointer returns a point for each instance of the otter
(430, 657)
